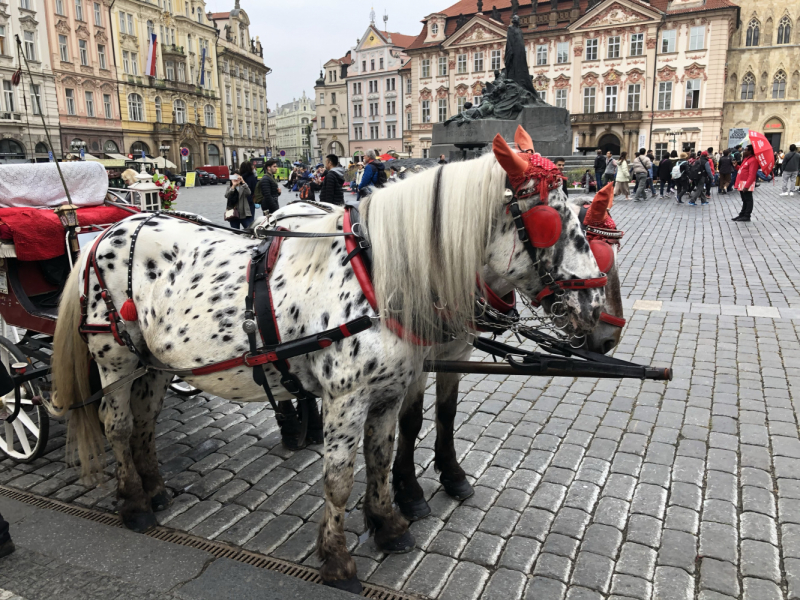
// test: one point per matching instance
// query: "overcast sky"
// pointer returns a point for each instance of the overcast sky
(301, 35)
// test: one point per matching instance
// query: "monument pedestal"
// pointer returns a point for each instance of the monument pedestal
(548, 126)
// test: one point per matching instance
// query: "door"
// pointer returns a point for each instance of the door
(774, 139)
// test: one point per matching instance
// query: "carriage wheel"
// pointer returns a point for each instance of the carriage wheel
(180, 387)
(25, 439)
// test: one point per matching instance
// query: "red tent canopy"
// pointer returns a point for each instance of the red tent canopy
(386, 157)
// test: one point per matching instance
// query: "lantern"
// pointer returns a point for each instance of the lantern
(68, 215)
(145, 192)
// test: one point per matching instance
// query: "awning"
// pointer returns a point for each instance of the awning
(116, 156)
(158, 161)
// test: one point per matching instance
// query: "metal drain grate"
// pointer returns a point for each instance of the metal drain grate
(216, 549)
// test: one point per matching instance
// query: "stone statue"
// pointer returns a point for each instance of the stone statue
(515, 59)
(553, 4)
(514, 7)
(496, 14)
(461, 21)
(480, 6)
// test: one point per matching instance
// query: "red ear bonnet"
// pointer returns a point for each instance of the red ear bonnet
(596, 215)
(512, 163)
(523, 140)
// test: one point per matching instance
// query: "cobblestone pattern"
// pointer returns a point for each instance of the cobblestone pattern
(585, 489)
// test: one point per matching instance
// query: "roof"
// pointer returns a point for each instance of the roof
(399, 39)
(220, 16)
(346, 59)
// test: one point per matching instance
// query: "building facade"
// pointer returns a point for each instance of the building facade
(632, 74)
(331, 108)
(763, 73)
(179, 107)
(375, 91)
(293, 128)
(22, 136)
(243, 81)
(79, 36)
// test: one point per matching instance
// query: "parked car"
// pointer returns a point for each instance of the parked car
(202, 177)
(177, 178)
(221, 171)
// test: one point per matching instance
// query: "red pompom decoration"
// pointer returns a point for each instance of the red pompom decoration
(128, 311)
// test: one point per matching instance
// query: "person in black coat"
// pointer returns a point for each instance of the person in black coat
(330, 189)
(664, 174)
(600, 163)
(269, 187)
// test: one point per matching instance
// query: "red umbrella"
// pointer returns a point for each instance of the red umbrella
(386, 157)
(763, 151)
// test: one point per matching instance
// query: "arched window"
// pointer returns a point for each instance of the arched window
(779, 86)
(11, 151)
(135, 107)
(784, 30)
(110, 147)
(752, 33)
(180, 111)
(209, 116)
(41, 148)
(158, 109)
(213, 155)
(434, 29)
(138, 147)
(748, 86)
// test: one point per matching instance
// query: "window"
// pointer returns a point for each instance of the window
(83, 50)
(668, 41)
(460, 101)
(588, 100)
(180, 111)
(664, 95)
(122, 28)
(373, 109)
(247, 99)
(101, 55)
(60, 7)
(8, 95)
(333, 121)
(70, 94)
(62, 48)
(461, 63)
(98, 16)
(697, 38)
(363, 66)
(107, 106)
(426, 111)
(333, 95)
(134, 63)
(496, 60)
(210, 116)
(541, 54)
(230, 128)
(36, 99)
(692, 93)
(591, 49)
(182, 74)
(390, 84)
(476, 100)
(611, 98)
(159, 114)
(126, 61)
(358, 110)
(30, 46)
(477, 61)
(370, 87)
(562, 52)
(442, 110)
(779, 86)
(434, 29)
(661, 150)
(748, 86)
(380, 63)
(247, 130)
(26, 4)
(135, 107)
(322, 122)
(89, 99)
(238, 97)
(561, 98)
(390, 108)
(408, 121)
(2, 39)
(637, 44)
(542, 95)
(391, 131)
(79, 10)
(784, 30)
(131, 30)
(753, 29)
(613, 46)
(322, 97)
(442, 66)
(634, 94)
(426, 153)
(374, 133)
(358, 132)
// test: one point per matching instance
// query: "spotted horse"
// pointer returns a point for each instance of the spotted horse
(429, 237)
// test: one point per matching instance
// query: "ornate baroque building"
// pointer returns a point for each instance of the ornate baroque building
(180, 106)
(763, 73)
(631, 73)
(243, 80)
(375, 91)
(79, 35)
(22, 136)
(331, 93)
(293, 129)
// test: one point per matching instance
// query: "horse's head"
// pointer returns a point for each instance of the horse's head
(538, 246)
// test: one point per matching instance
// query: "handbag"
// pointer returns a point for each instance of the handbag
(231, 213)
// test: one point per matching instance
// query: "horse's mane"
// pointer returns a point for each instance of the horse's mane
(429, 236)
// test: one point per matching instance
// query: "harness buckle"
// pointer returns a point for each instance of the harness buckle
(291, 385)
(254, 360)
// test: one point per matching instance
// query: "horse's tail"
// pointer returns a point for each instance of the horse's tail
(71, 386)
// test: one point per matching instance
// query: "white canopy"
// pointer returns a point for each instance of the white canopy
(159, 161)
(38, 184)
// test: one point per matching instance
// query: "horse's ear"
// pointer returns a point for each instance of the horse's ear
(512, 162)
(601, 203)
(523, 140)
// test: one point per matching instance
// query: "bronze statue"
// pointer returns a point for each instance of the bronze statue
(515, 59)
(480, 6)
(514, 7)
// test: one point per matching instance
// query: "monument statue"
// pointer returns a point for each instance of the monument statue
(480, 6)
(512, 89)
(496, 14)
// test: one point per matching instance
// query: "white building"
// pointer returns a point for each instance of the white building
(293, 127)
(331, 94)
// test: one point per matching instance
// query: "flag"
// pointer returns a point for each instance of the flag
(150, 67)
(203, 67)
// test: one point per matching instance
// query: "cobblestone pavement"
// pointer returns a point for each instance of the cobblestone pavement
(585, 489)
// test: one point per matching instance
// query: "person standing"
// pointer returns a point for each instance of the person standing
(269, 187)
(330, 188)
(652, 171)
(610, 171)
(247, 173)
(599, 167)
(560, 162)
(374, 174)
(746, 183)
(622, 183)
(664, 175)
(442, 159)
(237, 201)
(713, 168)
(679, 176)
(791, 165)
(641, 171)
(699, 174)
(725, 171)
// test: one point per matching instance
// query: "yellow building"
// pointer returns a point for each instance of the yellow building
(179, 107)
(763, 73)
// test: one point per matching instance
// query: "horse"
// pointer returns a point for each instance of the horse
(187, 284)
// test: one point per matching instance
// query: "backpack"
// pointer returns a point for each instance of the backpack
(697, 170)
(380, 178)
(306, 193)
(258, 195)
(676, 170)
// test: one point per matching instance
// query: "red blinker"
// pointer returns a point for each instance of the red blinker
(603, 255)
(543, 225)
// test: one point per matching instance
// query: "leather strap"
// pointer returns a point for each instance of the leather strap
(612, 320)
(571, 284)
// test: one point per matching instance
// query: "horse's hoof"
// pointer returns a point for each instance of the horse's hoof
(140, 522)
(352, 585)
(315, 437)
(414, 510)
(460, 490)
(400, 545)
(161, 501)
(292, 443)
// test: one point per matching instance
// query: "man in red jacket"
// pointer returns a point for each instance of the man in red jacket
(746, 183)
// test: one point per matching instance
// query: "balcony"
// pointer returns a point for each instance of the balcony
(607, 117)
(8, 116)
(172, 49)
(175, 128)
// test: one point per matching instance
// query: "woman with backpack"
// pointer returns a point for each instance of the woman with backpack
(622, 182)
(678, 175)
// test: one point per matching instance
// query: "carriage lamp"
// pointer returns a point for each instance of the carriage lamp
(68, 215)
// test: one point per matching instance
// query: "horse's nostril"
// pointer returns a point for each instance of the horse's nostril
(607, 345)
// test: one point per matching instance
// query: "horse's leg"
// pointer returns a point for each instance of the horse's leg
(389, 527)
(452, 476)
(344, 422)
(147, 397)
(408, 494)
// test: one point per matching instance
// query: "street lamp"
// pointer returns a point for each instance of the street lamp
(77, 145)
(673, 135)
(164, 149)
